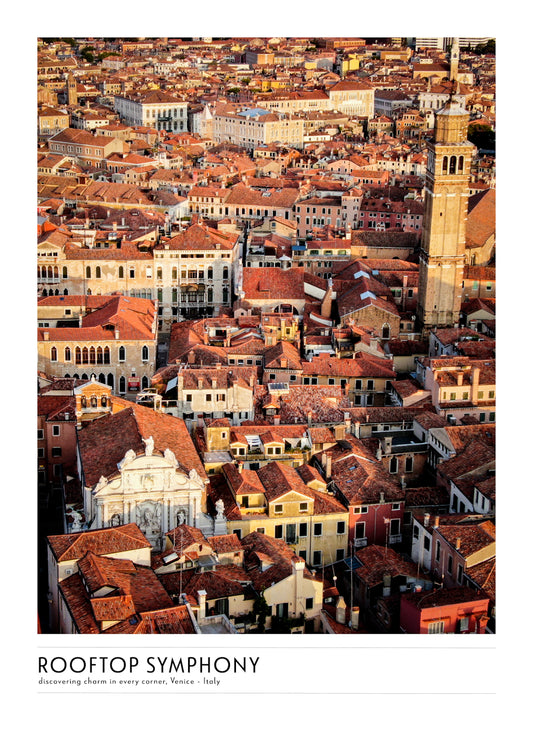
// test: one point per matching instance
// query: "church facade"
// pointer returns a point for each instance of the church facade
(151, 490)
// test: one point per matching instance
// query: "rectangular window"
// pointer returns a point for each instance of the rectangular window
(360, 527)
(309, 603)
(317, 558)
(427, 543)
(56, 430)
(460, 574)
(56, 452)
(278, 509)
(290, 533)
(303, 507)
(317, 529)
(436, 628)
(450, 564)
(40, 434)
(303, 529)
(341, 527)
(278, 531)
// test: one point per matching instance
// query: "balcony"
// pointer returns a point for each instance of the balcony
(50, 280)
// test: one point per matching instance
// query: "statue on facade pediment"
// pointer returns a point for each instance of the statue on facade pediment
(219, 505)
(149, 446)
(102, 482)
(128, 458)
(171, 457)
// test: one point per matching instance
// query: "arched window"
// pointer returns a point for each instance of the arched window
(56, 273)
(44, 293)
(85, 377)
(461, 165)
(56, 292)
(116, 520)
(174, 273)
(385, 331)
(159, 273)
(53, 354)
(78, 356)
(106, 356)
(76, 376)
(145, 382)
(145, 354)
(94, 401)
(121, 273)
(65, 273)
(65, 291)
(110, 380)
(103, 400)
(122, 354)
(122, 385)
(99, 356)
(89, 291)
(67, 354)
(88, 273)
(85, 356)
(445, 165)
(83, 401)
(409, 463)
(101, 378)
(92, 356)
(393, 465)
(98, 273)
(50, 273)
(453, 164)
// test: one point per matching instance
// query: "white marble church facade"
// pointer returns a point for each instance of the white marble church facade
(152, 490)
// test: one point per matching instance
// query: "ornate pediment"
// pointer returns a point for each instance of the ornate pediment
(150, 473)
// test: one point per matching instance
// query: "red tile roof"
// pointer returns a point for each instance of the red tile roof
(105, 541)
(104, 441)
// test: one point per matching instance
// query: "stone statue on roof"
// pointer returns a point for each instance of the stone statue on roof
(149, 445)
(170, 456)
(101, 483)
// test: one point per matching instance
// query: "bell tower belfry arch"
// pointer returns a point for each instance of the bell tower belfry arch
(442, 252)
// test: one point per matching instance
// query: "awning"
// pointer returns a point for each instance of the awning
(171, 384)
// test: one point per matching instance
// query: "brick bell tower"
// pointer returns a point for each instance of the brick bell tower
(445, 212)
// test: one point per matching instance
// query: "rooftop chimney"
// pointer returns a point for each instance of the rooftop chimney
(201, 603)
